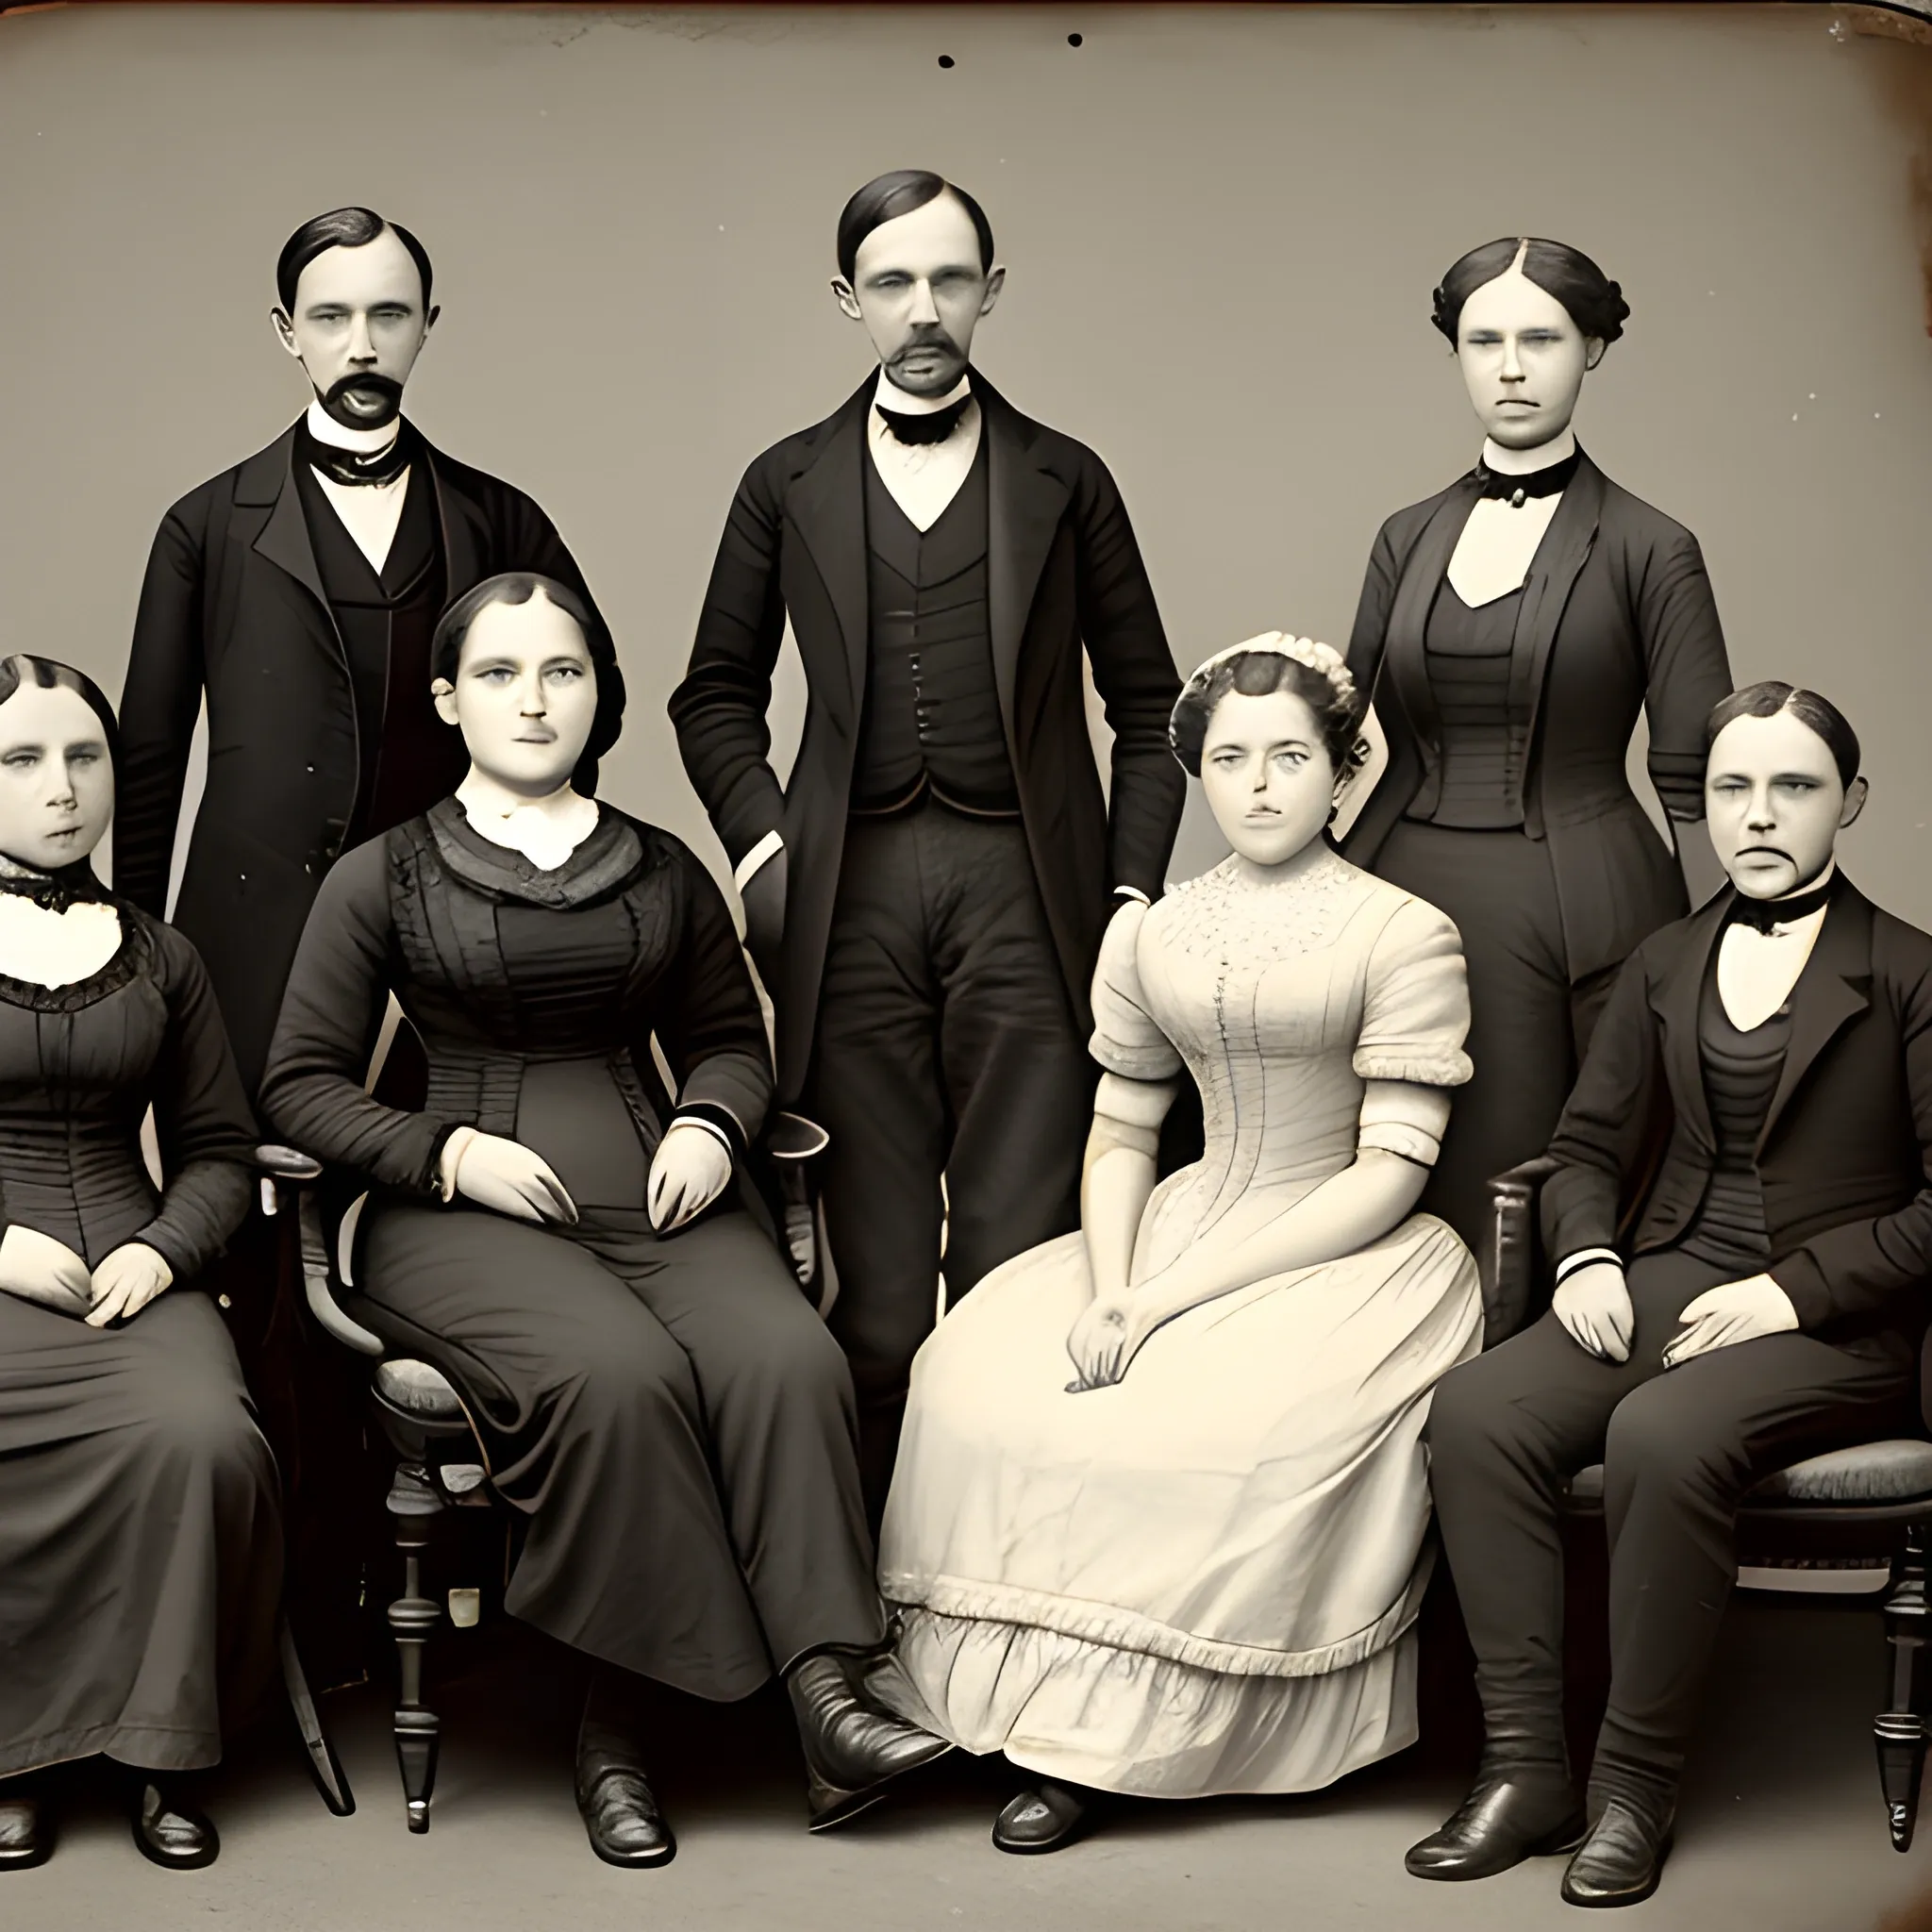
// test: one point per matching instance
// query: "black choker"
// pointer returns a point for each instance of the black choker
(1762, 915)
(352, 467)
(935, 427)
(72, 885)
(1517, 491)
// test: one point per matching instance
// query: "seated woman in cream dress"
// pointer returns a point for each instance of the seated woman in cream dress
(1157, 1525)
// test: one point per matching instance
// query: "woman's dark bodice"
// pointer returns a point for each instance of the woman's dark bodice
(79, 1067)
(1482, 723)
(535, 996)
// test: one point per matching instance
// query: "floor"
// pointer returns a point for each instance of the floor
(1782, 1830)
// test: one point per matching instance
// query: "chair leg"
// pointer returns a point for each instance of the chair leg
(324, 1765)
(1901, 1731)
(413, 1506)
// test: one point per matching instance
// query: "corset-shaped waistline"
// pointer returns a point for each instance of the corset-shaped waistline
(482, 1087)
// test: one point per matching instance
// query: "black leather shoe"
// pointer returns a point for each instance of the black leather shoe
(1502, 1822)
(169, 1831)
(621, 1817)
(853, 1748)
(1044, 1819)
(1621, 1860)
(24, 1837)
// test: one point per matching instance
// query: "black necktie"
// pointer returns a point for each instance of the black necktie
(351, 466)
(1517, 491)
(934, 428)
(1760, 915)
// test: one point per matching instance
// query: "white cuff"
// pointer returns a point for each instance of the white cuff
(703, 1127)
(741, 873)
(1585, 1258)
(1132, 892)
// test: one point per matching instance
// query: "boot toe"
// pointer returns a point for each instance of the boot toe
(1041, 1820)
(1620, 1862)
(622, 1821)
(25, 1837)
(171, 1833)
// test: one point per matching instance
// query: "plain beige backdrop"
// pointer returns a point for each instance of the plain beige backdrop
(1222, 227)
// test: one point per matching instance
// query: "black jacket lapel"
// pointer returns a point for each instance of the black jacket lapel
(285, 542)
(1552, 575)
(1835, 986)
(1404, 669)
(1674, 998)
(1025, 505)
(456, 519)
(826, 504)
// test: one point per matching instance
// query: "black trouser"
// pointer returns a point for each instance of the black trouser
(1679, 1448)
(945, 1052)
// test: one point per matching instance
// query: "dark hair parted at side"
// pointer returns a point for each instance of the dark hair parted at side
(1337, 706)
(519, 587)
(898, 193)
(1595, 302)
(51, 675)
(342, 228)
(1766, 700)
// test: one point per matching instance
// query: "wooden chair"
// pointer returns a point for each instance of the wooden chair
(1829, 1512)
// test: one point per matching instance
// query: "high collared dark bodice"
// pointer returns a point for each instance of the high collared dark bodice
(535, 996)
(79, 1067)
(932, 711)
(1482, 723)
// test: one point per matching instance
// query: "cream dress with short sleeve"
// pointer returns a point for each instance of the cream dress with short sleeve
(1203, 1579)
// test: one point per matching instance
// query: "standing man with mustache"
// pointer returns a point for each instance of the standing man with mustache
(924, 898)
(295, 594)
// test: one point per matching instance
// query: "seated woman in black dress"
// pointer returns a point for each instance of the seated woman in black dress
(140, 1550)
(658, 1401)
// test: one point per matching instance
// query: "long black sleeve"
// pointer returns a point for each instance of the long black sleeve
(311, 1091)
(718, 710)
(706, 1012)
(160, 700)
(1134, 674)
(202, 1119)
(1688, 669)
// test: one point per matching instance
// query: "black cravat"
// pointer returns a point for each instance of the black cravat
(350, 466)
(1517, 491)
(933, 428)
(1762, 914)
(72, 885)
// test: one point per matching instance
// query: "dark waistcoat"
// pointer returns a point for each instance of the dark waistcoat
(408, 757)
(1740, 1073)
(932, 712)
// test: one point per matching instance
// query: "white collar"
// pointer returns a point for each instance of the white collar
(365, 442)
(545, 830)
(887, 394)
(1526, 462)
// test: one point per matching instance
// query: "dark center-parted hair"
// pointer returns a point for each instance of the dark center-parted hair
(1596, 304)
(898, 193)
(342, 228)
(1258, 674)
(51, 675)
(519, 587)
(1767, 699)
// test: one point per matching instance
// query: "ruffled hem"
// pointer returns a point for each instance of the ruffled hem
(1116, 1629)
(1143, 1726)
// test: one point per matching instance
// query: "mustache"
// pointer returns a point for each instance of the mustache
(927, 335)
(365, 382)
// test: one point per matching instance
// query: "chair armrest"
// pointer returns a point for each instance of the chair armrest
(287, 1163)
(1510, 1262)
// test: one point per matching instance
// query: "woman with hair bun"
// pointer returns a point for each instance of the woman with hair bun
(1511, 627)
(1157, 1522)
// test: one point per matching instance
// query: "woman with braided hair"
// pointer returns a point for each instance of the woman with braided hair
(1157, 1521)
(1511, 627)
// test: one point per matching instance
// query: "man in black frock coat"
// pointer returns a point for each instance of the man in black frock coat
(924, 899)
(1769, 1306)
(295, 594)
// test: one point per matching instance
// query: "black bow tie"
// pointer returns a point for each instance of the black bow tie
(351, 466)
(1517, 491)
(932, 427)
(72, 885)
(1760, 915)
